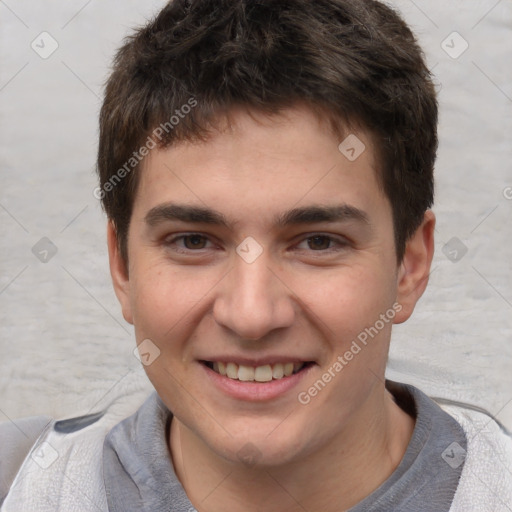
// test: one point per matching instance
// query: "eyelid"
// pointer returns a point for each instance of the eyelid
(339, 240)
(170, 240)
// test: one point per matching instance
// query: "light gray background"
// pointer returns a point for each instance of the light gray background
(65, 348)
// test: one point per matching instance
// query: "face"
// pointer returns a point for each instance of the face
(259, 261)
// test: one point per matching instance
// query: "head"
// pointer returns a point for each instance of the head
(232, 119)
(354, 63)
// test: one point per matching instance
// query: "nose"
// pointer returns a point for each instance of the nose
(253, 301)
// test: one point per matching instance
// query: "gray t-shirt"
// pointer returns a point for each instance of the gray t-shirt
(139, 475)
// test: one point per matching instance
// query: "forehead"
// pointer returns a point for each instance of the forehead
(262, 164)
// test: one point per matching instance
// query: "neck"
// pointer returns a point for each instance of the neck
(344, 471)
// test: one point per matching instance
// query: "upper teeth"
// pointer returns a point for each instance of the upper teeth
(263, 373)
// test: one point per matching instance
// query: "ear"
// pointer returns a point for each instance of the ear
(119, 273)
(414, 269)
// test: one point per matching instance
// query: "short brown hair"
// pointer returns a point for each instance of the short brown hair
(354, 60)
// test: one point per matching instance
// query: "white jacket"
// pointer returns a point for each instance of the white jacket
(63, 471)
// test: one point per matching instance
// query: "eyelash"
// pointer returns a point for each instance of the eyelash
(172, 241)
(340, 242)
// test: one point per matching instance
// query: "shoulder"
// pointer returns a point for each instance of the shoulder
(486, 478)
(41, 458)
(38, 468)
(17, 438)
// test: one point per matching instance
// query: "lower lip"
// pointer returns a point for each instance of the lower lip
(255, 391)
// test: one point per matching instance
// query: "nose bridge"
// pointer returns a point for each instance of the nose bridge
(252, 301)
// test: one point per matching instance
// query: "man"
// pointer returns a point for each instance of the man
(267, 173)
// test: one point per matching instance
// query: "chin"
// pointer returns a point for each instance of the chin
(258, 449)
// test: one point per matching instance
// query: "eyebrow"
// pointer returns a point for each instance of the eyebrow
(305, 215)
(184, 213)
(317, 214)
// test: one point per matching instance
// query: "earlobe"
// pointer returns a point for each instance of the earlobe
(119, 273)
(414, 269)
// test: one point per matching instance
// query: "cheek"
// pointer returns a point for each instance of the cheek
(166, 302)
(346, 300)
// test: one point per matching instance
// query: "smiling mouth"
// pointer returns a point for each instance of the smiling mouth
(264, 373)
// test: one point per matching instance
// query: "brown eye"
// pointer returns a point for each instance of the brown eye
(319, 242)
(194, 241)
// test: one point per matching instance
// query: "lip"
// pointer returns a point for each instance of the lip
(255, 391)
(260, 361)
